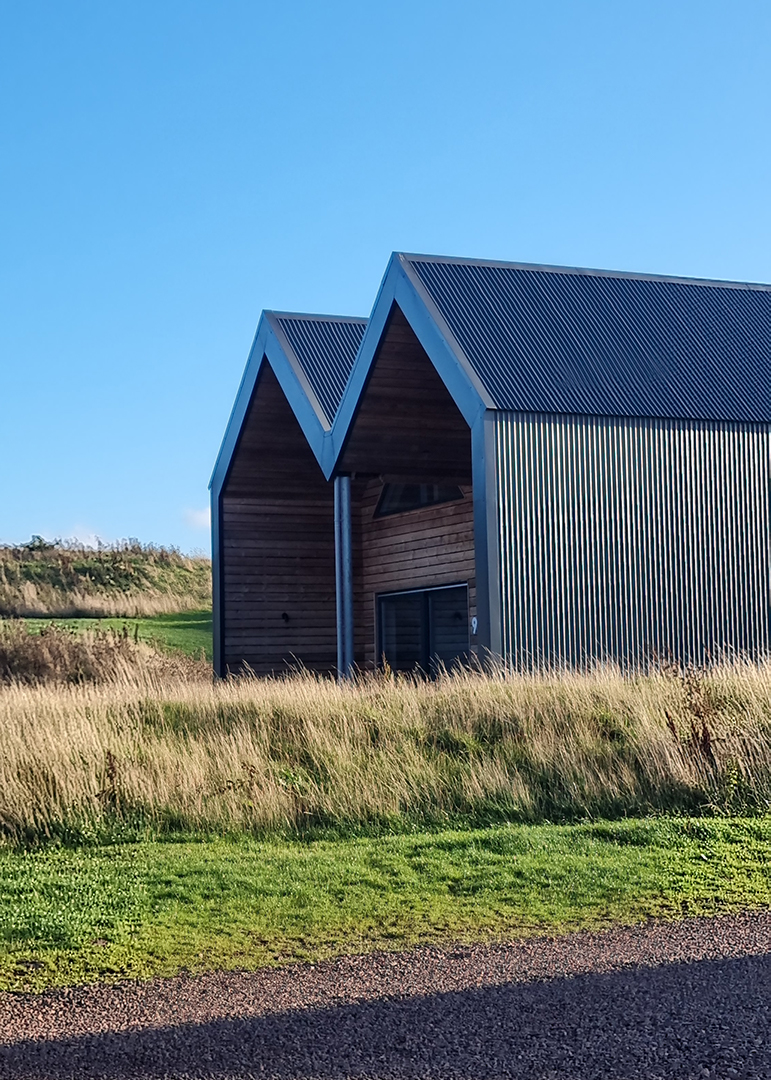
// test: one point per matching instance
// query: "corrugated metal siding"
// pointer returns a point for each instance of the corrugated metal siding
(631, 540)
(603, 344)
(326, 350)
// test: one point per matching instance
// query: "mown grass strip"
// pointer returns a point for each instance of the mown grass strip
(139, 910)
(188, 631)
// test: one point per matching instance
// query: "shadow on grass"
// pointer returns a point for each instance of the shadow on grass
(672, 1021)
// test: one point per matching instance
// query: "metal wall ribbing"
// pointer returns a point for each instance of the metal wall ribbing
(630, 540)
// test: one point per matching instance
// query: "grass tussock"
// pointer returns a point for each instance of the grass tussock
(151, 750)
(124, 580)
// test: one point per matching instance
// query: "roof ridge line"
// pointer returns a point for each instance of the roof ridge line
(301, 315)
(587, 271)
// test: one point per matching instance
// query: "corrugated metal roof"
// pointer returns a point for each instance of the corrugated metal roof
(557, 339)
(325, 347)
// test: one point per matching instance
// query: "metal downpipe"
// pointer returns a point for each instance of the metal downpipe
(344, 576)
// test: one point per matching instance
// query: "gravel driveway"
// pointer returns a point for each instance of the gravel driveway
(680, 1000)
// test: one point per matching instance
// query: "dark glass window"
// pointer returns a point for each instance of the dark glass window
(397, 498)
(424, 630)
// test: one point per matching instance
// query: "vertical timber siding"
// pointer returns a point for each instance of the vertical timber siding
(631, 540)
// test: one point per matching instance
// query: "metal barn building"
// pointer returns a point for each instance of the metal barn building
(550, 465)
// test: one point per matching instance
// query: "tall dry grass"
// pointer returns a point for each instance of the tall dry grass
(178, 751)
(30, 601)
(123, 580)
(57, 655)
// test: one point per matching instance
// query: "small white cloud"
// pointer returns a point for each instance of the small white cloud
(198, 519)
(83, 535)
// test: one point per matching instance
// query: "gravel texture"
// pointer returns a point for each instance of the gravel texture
(680, 1000)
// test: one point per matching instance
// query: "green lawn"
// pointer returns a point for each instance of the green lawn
(188, 631)
(157, 908)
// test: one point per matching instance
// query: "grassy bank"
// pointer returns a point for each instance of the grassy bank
(154, 821)
(139, 910)
(125, 580)
(164, 748)
(188, 631)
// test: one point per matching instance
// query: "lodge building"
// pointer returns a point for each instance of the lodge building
(545, 465)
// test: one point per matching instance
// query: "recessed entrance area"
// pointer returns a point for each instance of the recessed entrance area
(424, 629)
(408, 454)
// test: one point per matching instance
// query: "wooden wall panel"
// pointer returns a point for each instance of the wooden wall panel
(413, 550)
(278, 514)
(277, 545)
(272, 458)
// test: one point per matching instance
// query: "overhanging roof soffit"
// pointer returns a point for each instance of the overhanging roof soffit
(438, 323)
(402, 288)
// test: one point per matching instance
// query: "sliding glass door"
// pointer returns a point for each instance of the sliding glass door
(423, 629)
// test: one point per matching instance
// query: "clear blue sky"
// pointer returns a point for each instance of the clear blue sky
(170, 168)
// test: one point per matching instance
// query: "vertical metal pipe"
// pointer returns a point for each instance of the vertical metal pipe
(218, 593)
(344, 576)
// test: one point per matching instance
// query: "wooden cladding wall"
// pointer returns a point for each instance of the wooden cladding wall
(414, 550)
(279, 584)
(277, 545)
